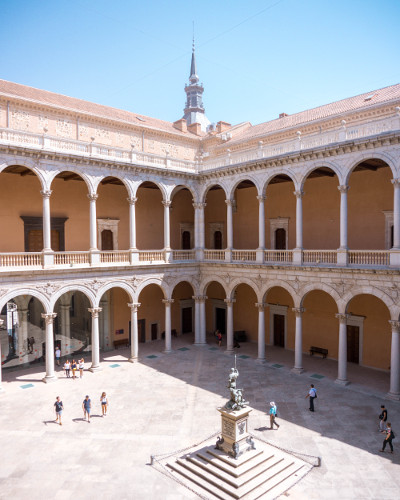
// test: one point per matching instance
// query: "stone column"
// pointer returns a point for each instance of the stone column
(261, 331)
(50, 373)
(132, 222)
(93, 221)
(199, 230)
(197, 323)
(203, 339)
(1, 386)
(134, 332)
(343, 216)
(167, 243)
(298, 348)
(168, 303)
(298, 251)
(46, 220)
(229, 325)
(229, 224)
(342, 361)
(261, 228)
(95, 339)
(394, 392)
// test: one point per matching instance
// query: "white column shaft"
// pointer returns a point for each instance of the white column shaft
(298, 355)
(201, 228)
(167, 326)
(229, 326)
(261, 333)
(395, 363)
(134, 332)
(342, 361)
(132, 224)
(50, 374)
(197, 328)
(93, 223)
(203, 321)
(229, 223)
(261, 223)
(95, 339)
(46, 221)
(167, 243)
(343, 218)
(299, 220)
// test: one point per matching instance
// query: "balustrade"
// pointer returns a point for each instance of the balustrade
(369, 257)
(280, 256)
(319, 257)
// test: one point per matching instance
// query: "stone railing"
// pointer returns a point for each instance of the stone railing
(115, 257)
(214, 255)
(21, 259)
(319, 257)
(179, 255)
(71, 258)
(279, 256)
(244, 255)
(151, 256)
(369, 257)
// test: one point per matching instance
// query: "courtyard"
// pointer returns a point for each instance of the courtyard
(167, 402)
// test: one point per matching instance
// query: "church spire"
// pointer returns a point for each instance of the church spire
(194, 109)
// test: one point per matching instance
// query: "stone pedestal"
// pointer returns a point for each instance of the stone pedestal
(235, 439)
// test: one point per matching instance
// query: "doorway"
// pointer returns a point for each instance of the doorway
(279, 330)
(218, 240)
(154, 331)
(353, 344)
(187, 320)
(142, 330)
(107, 243)
(220, 320)
(280, 239)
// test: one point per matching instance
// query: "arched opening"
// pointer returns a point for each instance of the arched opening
(183, 310)
(149, 217)
(151, 314)
(115, 320)
(21, 207)
(22, 335)
(245, 315)
(215, 216)
(182, 219)
(280, 320)
(280, 213)
(321, 210)
(370, 206)
(245, 216)
(215, 310)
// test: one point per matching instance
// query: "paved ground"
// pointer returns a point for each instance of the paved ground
(168, 402)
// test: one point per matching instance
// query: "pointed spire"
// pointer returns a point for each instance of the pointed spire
(193, 75)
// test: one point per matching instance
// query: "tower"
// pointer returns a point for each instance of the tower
(194, 109)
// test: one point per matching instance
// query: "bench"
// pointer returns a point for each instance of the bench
(121, 342)
(318, 350)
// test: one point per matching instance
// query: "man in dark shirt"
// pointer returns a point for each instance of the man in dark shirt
(383, 418)
(86, 405)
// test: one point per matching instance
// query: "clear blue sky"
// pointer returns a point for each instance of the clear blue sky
(256, 59)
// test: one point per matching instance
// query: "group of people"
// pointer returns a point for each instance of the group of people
(86, 406)
(273, 410)
(74, 366)
(385, 427)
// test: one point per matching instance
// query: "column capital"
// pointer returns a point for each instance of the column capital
(343, 188)
(299, 194)
(199, 298)
(342, 317)
(94, 311)
(261, 198)
(395, 325)
(260, 305)
(92, 196)
(230, 202)
(132, 200)
(46, 193)
(197, 205)
(229, 302)
(396, 182)
(298, 311)
(134, 306)
(167, 203)
(49, 318)
(167, 302)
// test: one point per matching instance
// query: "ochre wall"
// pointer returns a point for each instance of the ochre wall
(112, 204)
(215, 211)
(121, 314)
(214, 291)
(152, 309)
(279, 296)
(149, 219)
(182, 212)
(280, 202)
(183, 291)
(245, 217)
(245, 313)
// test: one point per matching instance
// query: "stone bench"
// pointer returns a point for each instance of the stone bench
(318, 350)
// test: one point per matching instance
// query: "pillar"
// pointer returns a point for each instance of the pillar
(132, 223)
(299, 219)
(229, 325)
(134, 332)
(197, 325)
(203, 339)
(95, 339)
(168, 303)
(261, 331)
(50, 373)
(343, 216)
(229, 224)
(104, 325)
(46, 220)
(199, 230)
(1, 386)
(261, 229)
(342, 361)
(93, 221)
(298, 347)
(394, 391)
(167, 244)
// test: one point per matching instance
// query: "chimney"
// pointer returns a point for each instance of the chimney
(221, 126)
(195, 128)
(282, 115)
(180, 125)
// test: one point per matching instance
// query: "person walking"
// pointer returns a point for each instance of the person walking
(81, 367)
(272, 414)
(388, 438)
(67, 368)
(104, 403)
(383, 419)
(58, 355)
(86, 405)
(219, 338)
(312, 394)
(58, 405)
(73, 368)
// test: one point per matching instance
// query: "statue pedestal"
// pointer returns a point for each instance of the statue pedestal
(235, 438)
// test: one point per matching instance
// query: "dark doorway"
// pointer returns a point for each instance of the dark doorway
(107, 240)
(218, 240)
(220, 320)
(186, 240)
(154, 331)
(279, 330)
(353, 344)
(142, 330)
(391, 236)
(187, 320)
(280, 239)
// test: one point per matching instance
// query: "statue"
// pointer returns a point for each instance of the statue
(237, 401)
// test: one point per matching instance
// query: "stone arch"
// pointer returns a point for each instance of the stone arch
(311, 168)
(150, 281)
(11, 294)
(114, 284)
(394, 309)
(207, 187)
(243, 281)
(321, 287)
(86, 178)
(282, 284)
(183, 279)
(247, 177)
(208, 280)
(161, 187)
(74, 288)
(287, 172)
(352, 164)
(121, 178)
(27, 164)
(179, 187)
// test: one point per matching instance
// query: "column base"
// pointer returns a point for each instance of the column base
(167, 351)
(297, 371)
(229, 351)
(342, 382)
(95, 369)
(394, 396)
(342, 257)
(200, 344)
(261, 361)
(49, 379)
(133, 359)
(298, 256)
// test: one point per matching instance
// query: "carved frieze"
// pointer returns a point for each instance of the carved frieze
(48, 289)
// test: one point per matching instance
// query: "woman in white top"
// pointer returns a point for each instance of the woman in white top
(67, 368)
(104, 403)
(81, 367)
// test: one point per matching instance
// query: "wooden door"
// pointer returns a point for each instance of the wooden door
(35, 240)
(220, 320)
(218, 240)
(187, 320)
(186, 240)
(279, 330)
(142, 330)
(154, 331)
(353, 344)
(107, 243)
(280, 239)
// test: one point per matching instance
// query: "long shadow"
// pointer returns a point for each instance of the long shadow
(46, 422)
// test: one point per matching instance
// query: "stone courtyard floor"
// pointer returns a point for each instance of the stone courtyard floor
(167, 402)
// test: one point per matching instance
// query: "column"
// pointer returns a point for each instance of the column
(168, 303)
(261, 331)
(203, 339)
(197, 325)
(396, 214)
(299, 219)
(199, 229)
(394, 392)
(132, 223)
(134, 332)
(229, 325)
(229, 224)
(50, 374)
(298, 346)
(261, 228)
(1, 387)
(342, 361)
(95, 339)
(46, 220)
(167, 244)
(342, 251)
